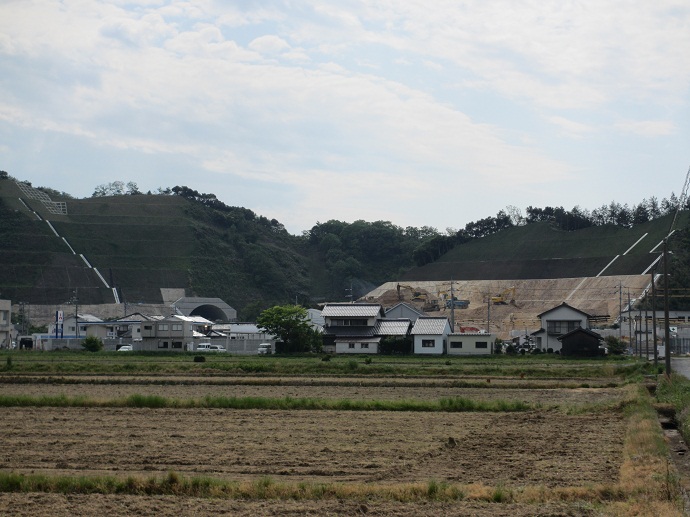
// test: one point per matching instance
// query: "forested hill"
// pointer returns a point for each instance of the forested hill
(180, 238)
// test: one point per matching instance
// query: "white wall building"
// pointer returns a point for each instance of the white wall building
(430, 335)
(556, 322)
(475, 343)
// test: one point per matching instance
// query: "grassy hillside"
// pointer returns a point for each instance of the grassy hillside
(540, 250)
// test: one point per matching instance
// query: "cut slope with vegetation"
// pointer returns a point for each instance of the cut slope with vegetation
(540, 250)
(178, 238)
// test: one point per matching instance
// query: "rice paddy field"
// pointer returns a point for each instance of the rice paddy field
(139, 435)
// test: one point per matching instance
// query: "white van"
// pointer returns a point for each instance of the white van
(265, 349)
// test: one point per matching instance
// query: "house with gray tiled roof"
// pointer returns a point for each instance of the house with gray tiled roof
(404, 310)
(357, 328)
(349, 327)
(430, 335)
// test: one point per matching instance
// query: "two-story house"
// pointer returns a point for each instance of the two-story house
(350, 328)
(557, 322)
(174, 333)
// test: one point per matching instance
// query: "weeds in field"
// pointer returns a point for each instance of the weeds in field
(448, 404)
(533, 367)
(501, 495)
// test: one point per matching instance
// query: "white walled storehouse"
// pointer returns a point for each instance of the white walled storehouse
(429, 335)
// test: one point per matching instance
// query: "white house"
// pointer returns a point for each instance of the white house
(175, 333)
(470, 343)
(556, 322)
(429, 335)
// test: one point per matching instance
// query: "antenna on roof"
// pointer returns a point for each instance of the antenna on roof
(350, 296)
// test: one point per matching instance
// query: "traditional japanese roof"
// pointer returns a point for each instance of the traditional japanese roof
(580, 330)
(406, 306)
(430, 326)
(352, 310)
(562, 305)
(399, 327)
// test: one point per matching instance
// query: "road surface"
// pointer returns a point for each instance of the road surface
(680, 365)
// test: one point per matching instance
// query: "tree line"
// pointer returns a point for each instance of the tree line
(567, 220)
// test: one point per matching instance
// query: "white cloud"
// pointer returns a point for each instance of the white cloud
(648, 128)
(269, 44)
(379, 102)
(570, 127)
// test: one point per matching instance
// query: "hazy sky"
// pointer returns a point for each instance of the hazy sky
(421, 113)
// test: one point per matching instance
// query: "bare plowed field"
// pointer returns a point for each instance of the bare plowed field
(57, 505)
(515, 449)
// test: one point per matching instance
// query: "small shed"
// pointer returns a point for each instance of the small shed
(429, 335)
(582, 342)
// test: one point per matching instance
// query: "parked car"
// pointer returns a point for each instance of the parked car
(208, 347)
(265, 348)
(125, 348)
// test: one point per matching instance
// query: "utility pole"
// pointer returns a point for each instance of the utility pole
(75, 301)
(656, 350)
(667, 330)
(452, 306)
(620, 311)
(646, 326)
(488, 312)
(630, 322)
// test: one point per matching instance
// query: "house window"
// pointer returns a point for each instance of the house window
(364, 345)
(349, 323)
(177, 326)
(162, 326)
(148, 327)
(558, 328)
(481, 344)
(351, 345)
(428, 343)
(177, 344)
(456, 344)
(162, 344)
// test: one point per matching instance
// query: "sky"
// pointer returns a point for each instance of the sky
(414, 112)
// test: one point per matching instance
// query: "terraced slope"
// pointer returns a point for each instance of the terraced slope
(128, 248)
(540, 251)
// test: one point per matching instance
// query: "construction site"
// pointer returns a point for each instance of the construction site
(508, 307)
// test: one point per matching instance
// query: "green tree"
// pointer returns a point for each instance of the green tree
(615, 346)
(92, 344)
(290, 324)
